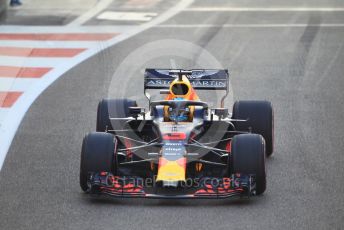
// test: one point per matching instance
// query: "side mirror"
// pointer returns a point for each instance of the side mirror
(136, 111)
(221, 112)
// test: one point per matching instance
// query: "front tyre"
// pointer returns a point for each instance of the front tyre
(248, 157)
(97, 155)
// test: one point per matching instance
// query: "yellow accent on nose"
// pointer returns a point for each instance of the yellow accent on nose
(171, 171)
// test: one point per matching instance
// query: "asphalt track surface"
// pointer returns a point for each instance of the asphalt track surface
(299, 69)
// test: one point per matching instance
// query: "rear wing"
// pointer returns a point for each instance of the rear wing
(200, 79)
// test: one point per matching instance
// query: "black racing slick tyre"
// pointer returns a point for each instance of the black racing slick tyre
(97, 155)
(248, 157)
(115, 108)
(260, 116)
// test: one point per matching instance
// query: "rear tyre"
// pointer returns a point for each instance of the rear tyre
(248, 157)
(97, 155)
(116, 108)
(260, 118)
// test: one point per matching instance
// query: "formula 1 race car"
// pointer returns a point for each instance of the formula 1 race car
(180, 147)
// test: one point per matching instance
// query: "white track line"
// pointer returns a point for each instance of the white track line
(65, 29)
(127, 16)
(101, 5)
(3, 115)
(249, 25)
(267, 9)
(16, 84)
(17, 112)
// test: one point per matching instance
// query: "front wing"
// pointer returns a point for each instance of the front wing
(206, 187)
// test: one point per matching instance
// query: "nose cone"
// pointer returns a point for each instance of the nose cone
(171, 171)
